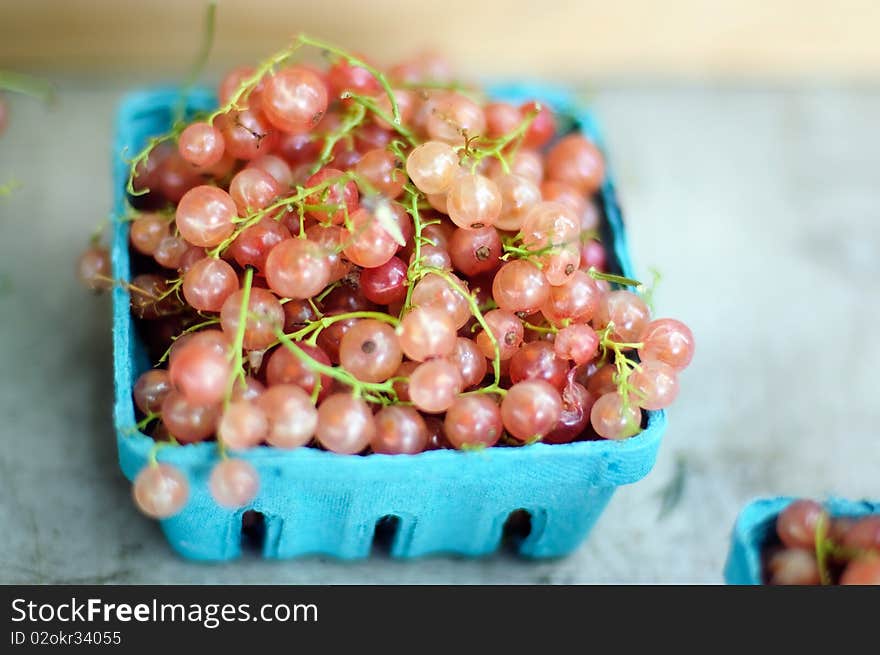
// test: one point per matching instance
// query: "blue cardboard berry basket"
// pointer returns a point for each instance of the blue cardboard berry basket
(317, 502)
(754, 530)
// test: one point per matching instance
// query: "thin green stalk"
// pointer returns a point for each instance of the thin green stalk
(372, 105)
(358, 63)
(614, 279)
(144, 422)
(475, 310)
(823, 549)
(280, 206)
(316, 327)
(414, 268)
(152, 456)
(189, 330)
(354, 118)
(381, 393)
(240, 94)
(237, 347)
(543, 329)
(496, 147)
(27, 85)
(624, 366)
(200, 60)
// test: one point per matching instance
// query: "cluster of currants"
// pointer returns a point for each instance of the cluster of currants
(384, 262)
(818, 549)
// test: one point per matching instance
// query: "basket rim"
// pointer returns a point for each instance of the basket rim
(749, 533)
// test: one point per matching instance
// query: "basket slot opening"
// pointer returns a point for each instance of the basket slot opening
(517, 528)
(253, 531)
(383, 536)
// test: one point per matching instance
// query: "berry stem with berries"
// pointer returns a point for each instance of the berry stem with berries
(824, 547)
(375, 392)
(624, 365)
(355, 117)
(371, 105)
(495, 387)
(237, 347)
(358, 63)
(496, 147)
(189, 330)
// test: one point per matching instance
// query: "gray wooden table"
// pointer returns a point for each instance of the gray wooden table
(761, 207)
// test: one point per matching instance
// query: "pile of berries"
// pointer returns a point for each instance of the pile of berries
(815, 548)
(385, 262)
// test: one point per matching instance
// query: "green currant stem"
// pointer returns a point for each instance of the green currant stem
(190, 329)
(316, 390)
(498, 145)
(144, 422)
(316, 327)
(475, 310)
(241, 93)
(844, 552)
(301, 214)
(413, 271)
(250, 83)
(152, 456)
(371, 391)
(624, 366)
(515, 246)
(543, 329)
(416, 270)
(175, 285)
(823, 548)
(397, 147)
(319, 208)
(129, 286)
(144, 154)
(358, 63)
(246, 87)
(521, 253)
(284, 204)
(492, 388)
(517, 250)
(354, 118)
(323, 295)
(237, 347)
(371, 105)
(200, 61)
(615, 279)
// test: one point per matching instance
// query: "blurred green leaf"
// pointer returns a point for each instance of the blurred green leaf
(27, 85)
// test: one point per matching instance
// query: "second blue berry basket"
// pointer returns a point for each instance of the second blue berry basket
(754, 530)
(317, 502)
